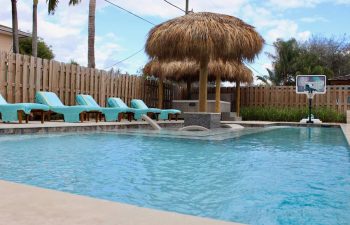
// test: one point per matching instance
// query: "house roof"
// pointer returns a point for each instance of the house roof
(8, 31)
(344, 77)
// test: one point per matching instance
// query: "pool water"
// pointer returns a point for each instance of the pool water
(279, 176)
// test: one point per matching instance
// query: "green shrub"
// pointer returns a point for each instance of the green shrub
(291, 114)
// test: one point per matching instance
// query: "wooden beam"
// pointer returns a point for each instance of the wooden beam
(203, 84)
(160, 92)
(238, 98)
(217, 94)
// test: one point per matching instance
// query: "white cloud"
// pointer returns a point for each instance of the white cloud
(282, 29)
(162, 9)
(342, 2)
(293, 3)
(267, 66)
(313, 19)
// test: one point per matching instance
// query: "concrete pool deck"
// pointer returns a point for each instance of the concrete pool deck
(28, 205)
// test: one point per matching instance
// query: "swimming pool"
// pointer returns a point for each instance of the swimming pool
(279, 176)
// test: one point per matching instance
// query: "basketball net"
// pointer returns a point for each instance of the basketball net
(310, 95)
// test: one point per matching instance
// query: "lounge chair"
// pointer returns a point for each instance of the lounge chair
(110, 114)
(14, 112)
(135, 113)
(164, 114)
(71, 114)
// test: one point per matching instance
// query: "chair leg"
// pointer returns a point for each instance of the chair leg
(19, 115)
(97, 115)
(129, 116)
(27, 118)
(42, 116)
(176, 116)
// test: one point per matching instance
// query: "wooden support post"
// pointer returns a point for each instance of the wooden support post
(160, 92)
(189, 89)
(238, 98)
(203, 83)
(217, 94)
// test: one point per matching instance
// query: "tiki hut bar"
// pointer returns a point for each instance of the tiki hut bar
(204, 37)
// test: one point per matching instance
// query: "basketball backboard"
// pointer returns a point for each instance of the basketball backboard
(316, 82)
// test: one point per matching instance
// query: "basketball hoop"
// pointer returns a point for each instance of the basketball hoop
(310, 85)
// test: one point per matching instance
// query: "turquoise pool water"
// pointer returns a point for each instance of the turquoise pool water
(280, 176)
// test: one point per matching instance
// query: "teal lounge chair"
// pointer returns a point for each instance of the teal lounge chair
(164, 113)
(13, 112)
(71, 114)
(118, 103)
(111, 114)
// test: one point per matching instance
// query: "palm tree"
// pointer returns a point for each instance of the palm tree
(285, 59)
(52, 4)
(35, 29)
(270, 79)
(91, 34)
(15, 26)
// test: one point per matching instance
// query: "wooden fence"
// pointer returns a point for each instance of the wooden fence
(336, 97)
(21, 76)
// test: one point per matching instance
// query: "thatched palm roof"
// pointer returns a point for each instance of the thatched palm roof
(184, 70)
(204, 36)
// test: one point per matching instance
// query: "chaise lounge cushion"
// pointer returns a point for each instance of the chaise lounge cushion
(70, 113)
(9, 111)
(118, 103)
(111, 114)
(164, 113)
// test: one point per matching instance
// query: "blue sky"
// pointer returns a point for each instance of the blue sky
(119, 34)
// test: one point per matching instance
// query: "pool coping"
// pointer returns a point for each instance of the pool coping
(35, 127)
(29, 205)
(343, 126)
(273, 123)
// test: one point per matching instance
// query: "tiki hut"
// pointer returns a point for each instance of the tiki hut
(204, 37)
(189, 70)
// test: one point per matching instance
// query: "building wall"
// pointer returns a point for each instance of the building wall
(5, 42)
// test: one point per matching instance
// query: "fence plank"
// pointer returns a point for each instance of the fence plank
(10, 79)
(25, 76)
(73, 77)
(120, 80)
(67, 84)
(3, 73)
(77, 81)
(17, 83)
(31, 80)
